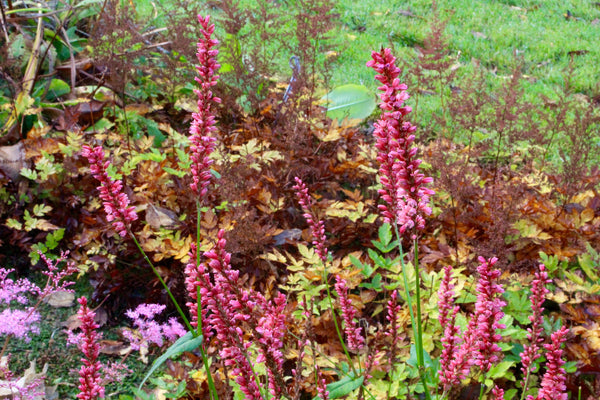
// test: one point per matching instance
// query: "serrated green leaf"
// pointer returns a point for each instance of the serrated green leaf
(185, 343)
(54, 237)
(175, 172)
(366, 269)
(385, 234)
(587, 265)
(39, 210)
(29, 174)
(14, 224)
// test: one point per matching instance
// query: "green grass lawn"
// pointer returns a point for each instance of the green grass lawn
(547, 34)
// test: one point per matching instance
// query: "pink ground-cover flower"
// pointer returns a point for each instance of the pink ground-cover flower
(20, 323)
(90, 383)
(488, 311)
(403, 183)
(317, 226)
(553, 384)
(115, 201)
(351, 329)
(203, 124)
(531, 349)
(11, 290)
(148, 330)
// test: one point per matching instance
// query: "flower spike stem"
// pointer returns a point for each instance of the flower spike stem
(416, 322)
(195, 332)
(162, 281)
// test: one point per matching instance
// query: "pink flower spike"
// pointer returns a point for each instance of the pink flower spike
(553, 384)
(115, 201)
(450, 339)
(321, 385)
(202, 143)
(404, 191)
(90, 383)
(488, 312)
(351, 328)
(530, 352)
(393, 311)
(497, 393)
(317, 226)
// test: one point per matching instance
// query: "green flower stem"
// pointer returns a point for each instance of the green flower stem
(416, 322)
(162, 281)
(211, 384)
(526, 383)
(420, 353)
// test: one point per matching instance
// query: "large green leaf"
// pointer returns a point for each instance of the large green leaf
(185, 343)
(349, 101)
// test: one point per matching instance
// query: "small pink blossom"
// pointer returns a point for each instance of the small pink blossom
(11, 290)
(20, 323)
(56, 278)
(148, 330)
(115, 201)
(19, 388)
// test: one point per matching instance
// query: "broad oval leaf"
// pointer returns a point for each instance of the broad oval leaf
(349, 101)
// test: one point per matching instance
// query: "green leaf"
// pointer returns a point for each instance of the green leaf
(29, 174)
(587, 265)
(366, 269)
(500, 370)
(54, 237)
(14, 224)
(57, 88)
(375, 283)
(175, 172)
(101, 126)
(349, 101)
(385, 234)
(343, 387)
(39, 210)
(185, 343)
